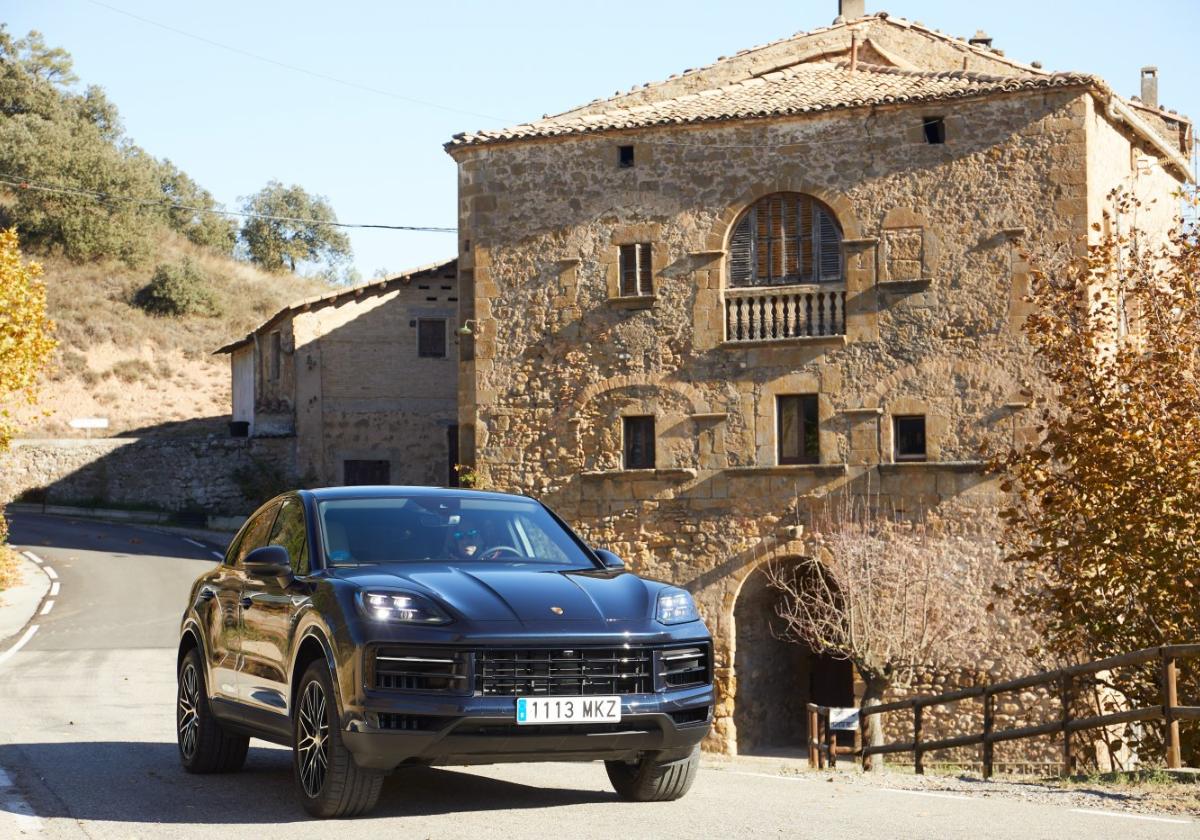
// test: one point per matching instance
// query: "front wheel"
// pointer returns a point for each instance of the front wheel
(204, 745)
(652, 780)
(329, 782)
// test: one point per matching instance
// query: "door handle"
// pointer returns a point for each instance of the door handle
(206, 594)
(247, 602)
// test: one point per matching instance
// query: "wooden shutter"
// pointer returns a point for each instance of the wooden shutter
(830, 261)
(644, 272)
(628, 270)
(741, 248)
(806, 239)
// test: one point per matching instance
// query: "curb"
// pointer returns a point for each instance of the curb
(216, 524)
(45, 584)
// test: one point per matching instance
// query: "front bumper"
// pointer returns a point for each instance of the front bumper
(419, 729)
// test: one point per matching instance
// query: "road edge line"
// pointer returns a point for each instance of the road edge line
(21, 642)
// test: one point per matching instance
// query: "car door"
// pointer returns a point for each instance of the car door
(267, 609)
(225, 621)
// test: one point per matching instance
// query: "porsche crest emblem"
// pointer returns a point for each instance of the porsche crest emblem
(556, 610)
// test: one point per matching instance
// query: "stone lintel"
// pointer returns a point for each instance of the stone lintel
(863, 410)
(665, 475)
(862, 242)
(711, 415)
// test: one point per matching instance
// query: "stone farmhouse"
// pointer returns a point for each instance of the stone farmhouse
(699, 303)
(362, 380)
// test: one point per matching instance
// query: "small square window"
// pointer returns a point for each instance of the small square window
(935, 130)
(798, 429)
(636, 270)
(625, 157)
(908, 436)
(431, 338)
(639, 442)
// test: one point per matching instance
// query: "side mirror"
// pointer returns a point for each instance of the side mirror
(610, 560)
(270, 561)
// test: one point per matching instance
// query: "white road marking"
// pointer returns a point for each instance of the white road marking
(49, 605)
(218, 555)
(931, 793)
(50, 573)
(21, 642)
(194, 542)
(1130, 816)
(33, 557)
(54, 589)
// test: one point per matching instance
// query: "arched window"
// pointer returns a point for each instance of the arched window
(785, 239)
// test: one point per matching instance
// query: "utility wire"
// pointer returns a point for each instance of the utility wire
(106, 199)
(295, 68)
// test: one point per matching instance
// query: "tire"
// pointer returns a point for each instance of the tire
(328, 781)
(651, 780)
(204, 745)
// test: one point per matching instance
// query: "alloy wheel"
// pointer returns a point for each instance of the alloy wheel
(312, 745)
(187, 718)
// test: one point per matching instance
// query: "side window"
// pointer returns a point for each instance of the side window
(255, 536)
(289, 532)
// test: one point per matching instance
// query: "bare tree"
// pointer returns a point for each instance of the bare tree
(895, 596)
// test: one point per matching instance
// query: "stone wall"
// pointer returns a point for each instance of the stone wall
(558, 361)
(177, 474)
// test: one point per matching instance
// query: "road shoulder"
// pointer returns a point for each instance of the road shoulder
(19, 603)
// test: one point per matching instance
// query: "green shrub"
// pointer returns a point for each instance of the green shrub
(177, 289)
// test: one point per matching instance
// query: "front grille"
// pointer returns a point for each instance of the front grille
(683, 667)
(409, 723)
(420, 669)
(563, 671)
(689, 717)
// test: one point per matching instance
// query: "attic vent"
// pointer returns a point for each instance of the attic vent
(935, 130)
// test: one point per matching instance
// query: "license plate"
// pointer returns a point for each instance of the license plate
(568, 710)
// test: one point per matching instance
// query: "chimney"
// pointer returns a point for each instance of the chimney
(851, 10)
(981, 39)
(1150, 86)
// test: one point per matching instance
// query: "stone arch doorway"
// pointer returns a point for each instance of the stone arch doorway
(777, 678)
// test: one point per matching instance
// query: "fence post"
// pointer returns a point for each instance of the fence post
(1066, 697)
(830, 740)
(989, 721)
(1170, 701)
(814, 752)
(918, 753)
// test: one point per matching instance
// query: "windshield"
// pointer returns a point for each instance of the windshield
(453, 529)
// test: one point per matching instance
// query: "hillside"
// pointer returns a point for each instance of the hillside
(139, 259)
(146, 373)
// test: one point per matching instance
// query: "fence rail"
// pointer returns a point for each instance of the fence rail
(823, 747)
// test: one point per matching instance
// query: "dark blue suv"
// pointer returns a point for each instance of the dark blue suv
(371, 628)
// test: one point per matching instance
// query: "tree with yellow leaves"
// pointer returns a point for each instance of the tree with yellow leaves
(1105, 519)
(26, 334)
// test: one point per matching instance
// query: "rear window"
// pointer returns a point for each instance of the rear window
(419, 529)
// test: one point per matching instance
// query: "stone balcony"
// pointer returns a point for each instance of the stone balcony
(785, 313)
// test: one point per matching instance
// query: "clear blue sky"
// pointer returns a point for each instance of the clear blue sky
(233, 122)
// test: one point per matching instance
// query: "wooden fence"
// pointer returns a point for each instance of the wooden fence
(823, 747)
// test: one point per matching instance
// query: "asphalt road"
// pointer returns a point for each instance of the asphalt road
(87, 746)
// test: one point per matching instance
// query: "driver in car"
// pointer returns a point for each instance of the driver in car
(465, 541)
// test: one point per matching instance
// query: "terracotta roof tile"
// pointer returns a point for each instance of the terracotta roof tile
(802, 89)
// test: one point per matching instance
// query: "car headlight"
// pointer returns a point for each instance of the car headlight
(675, 606)
(401, 607)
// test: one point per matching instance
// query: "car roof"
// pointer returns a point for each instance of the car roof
(391, 491)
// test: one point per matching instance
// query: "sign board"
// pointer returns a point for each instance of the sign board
(843, 720)
(89, 423)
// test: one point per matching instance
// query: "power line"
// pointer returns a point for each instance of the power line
(106, 199)
(297, 69)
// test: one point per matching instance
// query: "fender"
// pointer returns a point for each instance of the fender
(309, 626)
(191, 627)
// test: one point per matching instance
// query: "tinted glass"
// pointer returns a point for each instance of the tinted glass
(289, 533)
(255, 536)
(451, 529)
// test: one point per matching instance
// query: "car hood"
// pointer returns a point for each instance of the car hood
(508, 592)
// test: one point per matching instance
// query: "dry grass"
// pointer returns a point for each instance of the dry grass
(8, 568)
(144, 371)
